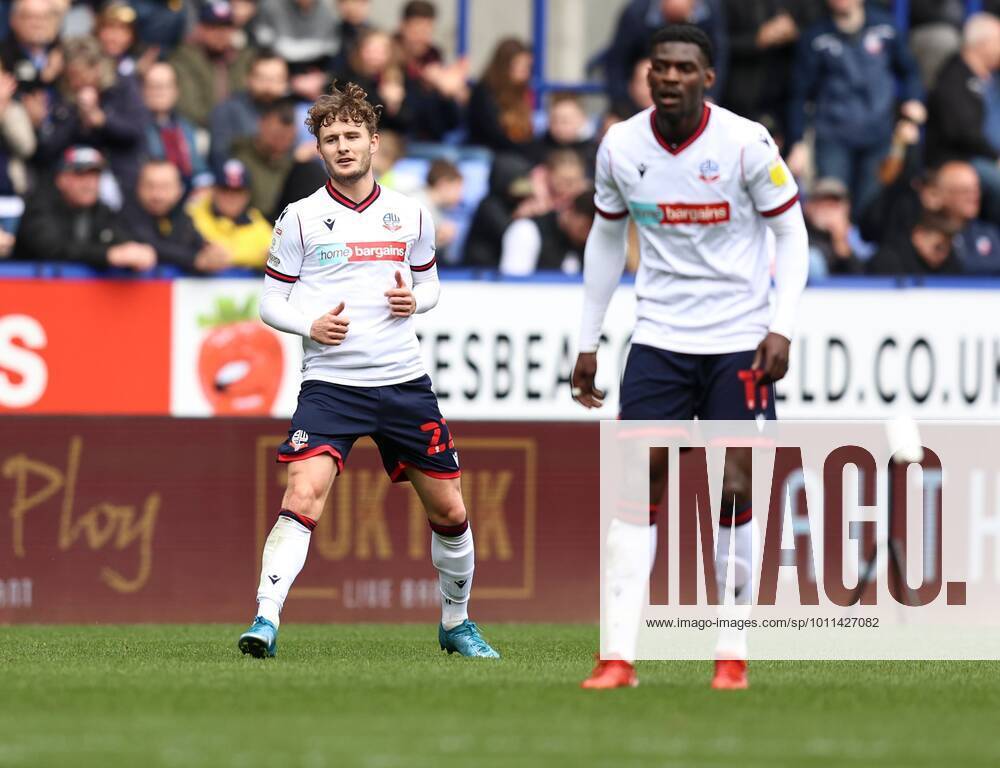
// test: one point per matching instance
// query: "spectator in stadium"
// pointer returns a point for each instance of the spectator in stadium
(160, 23)
(169, 136)
(904, 154)
(442, 193)
(298, 30)
(499, 112)
(926, 250)
(510, 196)
(238, 116)
(31, 52)
(637, 23)
(553, 242)
(611, 117)
(953, 192)
(354, 19)
(992, 104)
(935, 35)
(155, 216)
(762, 34)
(828, 221)
(77, 17)
(851, 67)
(245, 17)
(374, 65)
(7, 243)
(957, 113)
(268, 154)
(226, 218)
(115, 31)
(956, 195)
(639, 96)
(903, 182)
(67, 222)
(436, 91)
(559, 180)
(17, 144)
(391, 149)
(415, 36)
(95, 107)
(307, 81)
(209, 66)
(306, 176)
(569, 128)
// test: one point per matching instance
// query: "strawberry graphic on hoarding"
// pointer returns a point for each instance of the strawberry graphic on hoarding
(240, 362)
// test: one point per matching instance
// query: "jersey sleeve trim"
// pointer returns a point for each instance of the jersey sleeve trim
(270, 272)
(781, 208)
(611, 215)
(423, 267)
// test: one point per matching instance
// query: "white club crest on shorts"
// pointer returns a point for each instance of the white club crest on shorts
(300, 439)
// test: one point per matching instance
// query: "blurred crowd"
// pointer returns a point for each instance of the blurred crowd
(141, 134)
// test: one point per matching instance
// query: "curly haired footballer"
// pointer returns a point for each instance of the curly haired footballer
(362, 261)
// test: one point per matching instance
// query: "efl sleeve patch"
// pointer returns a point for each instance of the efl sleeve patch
(768, 181)
(778, 173)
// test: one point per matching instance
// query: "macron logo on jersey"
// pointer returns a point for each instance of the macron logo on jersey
(332, 254)
(676, 214)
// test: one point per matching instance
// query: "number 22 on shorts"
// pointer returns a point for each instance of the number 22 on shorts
(436, 446)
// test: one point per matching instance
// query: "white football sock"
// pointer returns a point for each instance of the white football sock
(630, 550)
(741, 539)
(455, 559)
(734, 574)
(284, 555)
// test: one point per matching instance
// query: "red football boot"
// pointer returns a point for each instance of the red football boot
(611, 673)
(730, 675)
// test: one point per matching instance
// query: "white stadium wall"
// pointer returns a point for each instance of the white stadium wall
(506, 351)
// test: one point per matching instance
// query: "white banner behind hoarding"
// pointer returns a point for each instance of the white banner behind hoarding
(931, 353)
(506, 351)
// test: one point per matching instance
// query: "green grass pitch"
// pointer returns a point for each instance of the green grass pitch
(385, 696)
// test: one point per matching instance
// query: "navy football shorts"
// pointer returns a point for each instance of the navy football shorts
(402, 419)
(674, 386)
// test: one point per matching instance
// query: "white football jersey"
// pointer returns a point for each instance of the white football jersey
(700, 207)
(335, 250)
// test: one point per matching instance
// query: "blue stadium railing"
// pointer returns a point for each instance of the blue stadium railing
(22, 270)
(539, 25)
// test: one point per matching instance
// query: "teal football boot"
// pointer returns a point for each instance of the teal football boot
(261, 640)
(465, 640)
